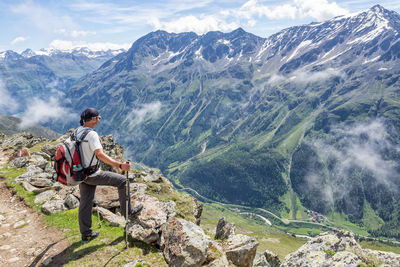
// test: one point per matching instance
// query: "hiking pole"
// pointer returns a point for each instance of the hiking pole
(127, 196)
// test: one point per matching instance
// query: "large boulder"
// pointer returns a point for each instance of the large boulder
(107, 196)
(113, 150)
(19, 162)
(260, 261)
(184, 243)
(147, 225)
(241, 250)
(53, 206)
(110, 217)
(224, 229)
(338, 248)
(272, 258)
(44, 196)
(50, 150)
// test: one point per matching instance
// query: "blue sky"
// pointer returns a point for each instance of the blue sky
(100, 25)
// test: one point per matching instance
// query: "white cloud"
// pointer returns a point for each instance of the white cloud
(200, 25)
(97, 46)
(362, 145)
(75, 33)
(149, 109)
(42, 17)
(316, 9)
(7, 103)
(301, 76)
(306, 76)
(41, 111)
(19, 39)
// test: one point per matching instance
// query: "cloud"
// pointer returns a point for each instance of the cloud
(97, 46)
(302, 76)
(75, 33)
(149, 109)
(364, 146)
(40, 111)
(7, 103)
(200, 25)
(316, 9)
(306, 76)
(43, 18)
(19, 40)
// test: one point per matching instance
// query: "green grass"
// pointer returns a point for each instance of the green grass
(340, 220)
(376, 245)
(370, 219)
(268, 237)
(107, 250)
(38, 147)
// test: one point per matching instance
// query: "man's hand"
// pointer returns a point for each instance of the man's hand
(126, 166)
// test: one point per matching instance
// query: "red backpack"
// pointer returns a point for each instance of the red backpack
(68, 160)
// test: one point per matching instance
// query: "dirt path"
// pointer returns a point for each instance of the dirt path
(24, 239)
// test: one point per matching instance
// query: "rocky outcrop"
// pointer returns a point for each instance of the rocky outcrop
(184, 243)
(224, 229)
(338, 248)
(241, 250)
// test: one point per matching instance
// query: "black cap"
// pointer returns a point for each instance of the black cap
(88, 114)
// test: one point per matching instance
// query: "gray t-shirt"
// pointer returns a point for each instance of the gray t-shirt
(88, 148)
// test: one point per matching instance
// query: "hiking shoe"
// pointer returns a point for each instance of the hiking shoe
(135, 212)
(90, 237)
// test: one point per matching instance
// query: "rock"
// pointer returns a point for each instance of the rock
(147, 225)
(50, 150)
(53, 206)
(113, 150)
(71, 201)
(197, 210)
(28, 187)
(224, 229)
(19, 162)
(153, 177)
(47, 261)
(39, 181)
(38, 161)
(112, 218)
(2, 218)
(338, 248)
(241, 250)
(5, 247)
(272, 258)
(216, 256)
(19, 224)
(107, 197)
(43, 155)
(44, 196)
(31, 171)
(12, 260)
(260, 261)
(184, 243)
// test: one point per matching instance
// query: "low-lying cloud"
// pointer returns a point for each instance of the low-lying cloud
(41, 111)
(136, 116)
(363, 146)
(302, 76)
(7, 103)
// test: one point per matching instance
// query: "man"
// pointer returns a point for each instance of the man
(92, 151)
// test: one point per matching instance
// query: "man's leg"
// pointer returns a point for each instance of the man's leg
(85, 208)
(112, 179)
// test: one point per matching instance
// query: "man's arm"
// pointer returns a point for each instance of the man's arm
(109, 161)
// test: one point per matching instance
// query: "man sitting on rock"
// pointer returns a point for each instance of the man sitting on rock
(92, 149)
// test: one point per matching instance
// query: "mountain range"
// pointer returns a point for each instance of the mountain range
(307, 118)
(46, 72)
